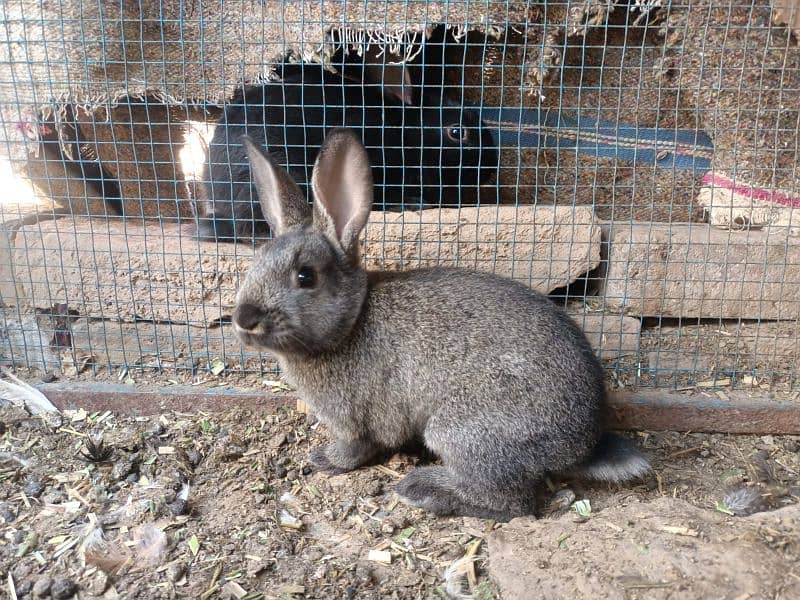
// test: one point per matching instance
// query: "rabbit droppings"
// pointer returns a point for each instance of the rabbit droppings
(491, 376)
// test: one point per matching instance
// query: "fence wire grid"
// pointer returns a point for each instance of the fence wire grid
(638, 161)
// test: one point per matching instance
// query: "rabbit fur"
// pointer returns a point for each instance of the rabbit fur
(422, 155)
(492, 377)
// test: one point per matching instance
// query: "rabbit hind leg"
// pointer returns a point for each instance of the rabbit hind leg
(441, 491)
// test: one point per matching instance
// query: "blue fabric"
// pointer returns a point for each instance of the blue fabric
(665, 148)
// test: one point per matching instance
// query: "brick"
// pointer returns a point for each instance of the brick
(123, 270)
(696, 271)
(611, 335)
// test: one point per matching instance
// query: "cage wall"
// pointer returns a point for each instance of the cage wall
(637, 161)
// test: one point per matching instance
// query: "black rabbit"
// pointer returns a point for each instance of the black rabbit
(422, 154)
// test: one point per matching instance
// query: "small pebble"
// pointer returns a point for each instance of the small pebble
(194, 457)
(132, 478)
(99, 583)
(228, 449)
(34, 488)
(176, 571)
(562, 499)
(280, 471)
(278, 440)
(48, 377)
(314, 555)
(704, 453)
(307, 470)
(387, 528)
(373, 488)
(41, 589)
(47, 443)
(179, 507)
(363, 572)
(7, 514)
(291, 475)
(63, 588)
(122, 468)
(54, 497)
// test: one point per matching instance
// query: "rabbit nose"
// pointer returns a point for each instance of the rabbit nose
(247, 317)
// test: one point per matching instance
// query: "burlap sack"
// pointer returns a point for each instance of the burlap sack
(93, 53)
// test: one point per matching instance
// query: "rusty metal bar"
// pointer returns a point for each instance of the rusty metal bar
(663, 411)
(651, 410)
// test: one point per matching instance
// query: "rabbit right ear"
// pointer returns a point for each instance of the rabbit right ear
(342, 186)
(281, 200)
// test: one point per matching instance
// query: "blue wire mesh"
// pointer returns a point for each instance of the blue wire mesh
(654, 143)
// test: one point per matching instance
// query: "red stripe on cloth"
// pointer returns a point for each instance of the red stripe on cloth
(753, 193)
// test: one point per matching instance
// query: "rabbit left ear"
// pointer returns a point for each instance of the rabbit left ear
(282, 202)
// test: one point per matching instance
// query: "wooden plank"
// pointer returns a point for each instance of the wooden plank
(124, 271)
(644, 410)
(697, 271)
(743, 413)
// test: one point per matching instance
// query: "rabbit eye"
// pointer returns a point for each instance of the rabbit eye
(306, 277)
(458, 134)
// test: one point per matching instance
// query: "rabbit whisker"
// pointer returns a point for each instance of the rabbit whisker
(293, 337)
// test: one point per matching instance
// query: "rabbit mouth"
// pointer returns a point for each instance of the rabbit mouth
(276, 338)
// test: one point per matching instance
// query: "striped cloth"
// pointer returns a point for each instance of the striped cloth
(665, 148)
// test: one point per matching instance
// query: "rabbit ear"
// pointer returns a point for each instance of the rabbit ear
(282, 202)
(394, 77)
(397, 82)
(342, 186)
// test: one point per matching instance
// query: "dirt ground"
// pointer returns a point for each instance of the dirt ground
(224, 506)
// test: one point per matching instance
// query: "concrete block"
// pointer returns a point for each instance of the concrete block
(611, 335)
(25, 341)
(696, 271)
(126, 271)
(154, 345)
(544, 247)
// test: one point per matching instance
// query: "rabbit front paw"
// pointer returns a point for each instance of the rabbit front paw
(342, 456)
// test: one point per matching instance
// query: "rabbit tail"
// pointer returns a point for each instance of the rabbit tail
(615, 459)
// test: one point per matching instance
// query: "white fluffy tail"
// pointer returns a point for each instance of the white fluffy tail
(615, 459)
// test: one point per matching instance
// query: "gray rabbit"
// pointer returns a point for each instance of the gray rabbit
(490, 376)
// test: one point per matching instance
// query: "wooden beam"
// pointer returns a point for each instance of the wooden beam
(645, 410)
(743, 413)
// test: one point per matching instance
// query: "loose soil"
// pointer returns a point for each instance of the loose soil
(224, 506)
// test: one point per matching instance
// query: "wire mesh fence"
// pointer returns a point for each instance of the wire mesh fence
(638, 161)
